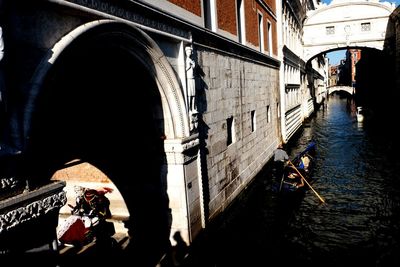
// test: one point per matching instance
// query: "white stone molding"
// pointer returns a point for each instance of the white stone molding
(35, 209)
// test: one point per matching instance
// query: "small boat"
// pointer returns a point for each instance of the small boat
(297, 172)
(360, 114)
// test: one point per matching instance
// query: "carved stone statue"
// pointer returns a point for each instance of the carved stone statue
(190, 79)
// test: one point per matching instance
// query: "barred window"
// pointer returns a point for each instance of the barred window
(366, 27)
(330, 30)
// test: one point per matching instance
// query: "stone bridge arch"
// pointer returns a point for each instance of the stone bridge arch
(346, 23)
(106, 94)
(348, 89)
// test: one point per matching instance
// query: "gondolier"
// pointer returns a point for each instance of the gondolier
(280, 158)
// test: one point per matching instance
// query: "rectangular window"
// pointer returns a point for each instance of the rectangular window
(268, 114)
(240, 21)
(269, 48)
(230, 131)
(210, 20)
(330, 30)
(260, 32)
(366, 27)
(253, 120)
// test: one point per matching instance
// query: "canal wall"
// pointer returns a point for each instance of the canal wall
(241, 98)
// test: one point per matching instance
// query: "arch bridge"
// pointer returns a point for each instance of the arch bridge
(350, 90)
(342, 24)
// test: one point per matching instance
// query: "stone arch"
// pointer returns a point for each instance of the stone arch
(72, 116)
(345, 19)
(172, 98)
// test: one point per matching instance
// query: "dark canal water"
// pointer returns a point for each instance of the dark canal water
(357, 173)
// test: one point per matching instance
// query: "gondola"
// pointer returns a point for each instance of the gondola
(297, 173)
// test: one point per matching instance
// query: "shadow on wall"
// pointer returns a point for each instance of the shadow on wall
(203, 128)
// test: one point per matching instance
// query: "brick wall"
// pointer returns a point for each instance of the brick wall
(271, 4)
(83, 172)
(252, 10)
(193, 6)
(251, 18)
(226, 13)
(227, 18)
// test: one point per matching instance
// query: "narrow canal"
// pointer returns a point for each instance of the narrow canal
(357, 173)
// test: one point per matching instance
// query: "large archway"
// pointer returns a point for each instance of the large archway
(109, 98)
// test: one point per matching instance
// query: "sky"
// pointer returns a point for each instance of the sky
(336, 56)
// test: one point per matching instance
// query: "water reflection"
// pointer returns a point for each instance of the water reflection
(357, 171)
(360, 221)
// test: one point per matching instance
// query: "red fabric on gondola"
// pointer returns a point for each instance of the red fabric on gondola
(72, 231)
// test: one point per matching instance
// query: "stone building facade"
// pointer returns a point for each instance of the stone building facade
(106, 83)
(303, 81)
(179, 103)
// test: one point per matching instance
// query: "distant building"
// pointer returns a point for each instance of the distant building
(303, 83)
(347, 68)
(353, 56)
(333, 70)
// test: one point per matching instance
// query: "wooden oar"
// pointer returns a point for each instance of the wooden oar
(280, 186)
(304, 179)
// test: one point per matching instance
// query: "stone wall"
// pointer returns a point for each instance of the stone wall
(235, 88)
